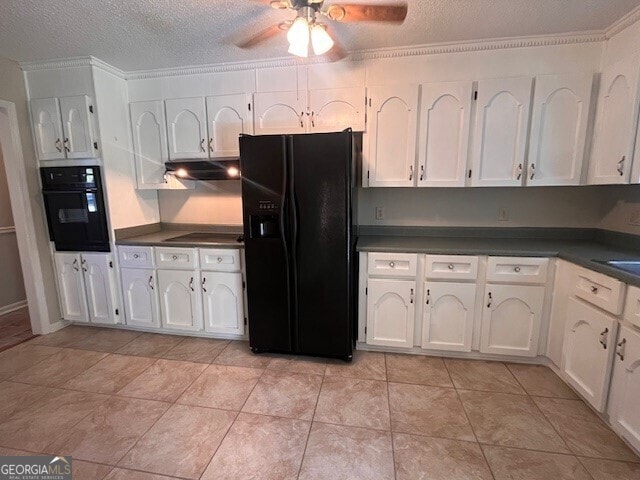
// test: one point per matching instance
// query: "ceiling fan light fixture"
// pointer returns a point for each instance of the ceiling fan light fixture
(320, 39)
(298, 33)
(301, 50)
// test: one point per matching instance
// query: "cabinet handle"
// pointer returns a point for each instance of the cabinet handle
(517, 269)
(66, 145)
(533, 171)
(58, 145)
(519, 172)
(75, 265)
(204, 280)
(489, 300)
(410, 172)
(202, 145)
(211, 144)
(301, 121)
(191, 284)
(621, 165)
(411, 296)
(313, 119)
(594, 290)
(421, 172)
(151, 282)
(450, 267)
(84, 266)
(428, 296)
(604, 335)
(621, 348)
(392, 264)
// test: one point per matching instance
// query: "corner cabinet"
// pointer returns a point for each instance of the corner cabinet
(390, 312)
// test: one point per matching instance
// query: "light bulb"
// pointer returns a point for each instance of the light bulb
(182, 173)
(233, 171)
(298, 33)
(301, 50)
(320, 39)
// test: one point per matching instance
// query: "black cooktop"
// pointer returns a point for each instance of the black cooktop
(208, 237)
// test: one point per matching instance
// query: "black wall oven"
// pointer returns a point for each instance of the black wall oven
(75, 208)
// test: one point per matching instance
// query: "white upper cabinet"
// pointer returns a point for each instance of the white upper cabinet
(392, 131)
(228, 117)
(77, 125)
(279, 112)
(73, 301)
(334, 110)
(187, 128)
(100, 283)
(445, 116)
(47, 128)
(559, 129)
(178, 299)
(502, 122)
(616, 123)
(223, 302)
(390, 312)
(139, 288)
(149, 142)
(448, 316)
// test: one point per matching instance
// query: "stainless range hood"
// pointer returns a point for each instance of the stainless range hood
(227, 168)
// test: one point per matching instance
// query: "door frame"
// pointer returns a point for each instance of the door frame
(32, 271)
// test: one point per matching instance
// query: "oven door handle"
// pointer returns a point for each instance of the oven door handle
(84, 190)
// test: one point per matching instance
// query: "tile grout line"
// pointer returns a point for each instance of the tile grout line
(393, 448)
(313, 420)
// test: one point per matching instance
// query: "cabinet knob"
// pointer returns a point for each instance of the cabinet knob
(450, 267)
(136, 256)
(219, 259)
(392, 264)
(517, 269)
(175, 257)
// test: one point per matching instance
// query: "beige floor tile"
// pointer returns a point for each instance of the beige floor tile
(425, 410)
(165, 380)
(347, 453)
(13, 453)
(610, 469)
(482, 375)
(583, 431)
(260, 447)
(34, 429)
(123, 474)
(296, 364)
(191, 349)
(418, 369)
(284, 394)
(222, 386)
(516, 464)
(60, 367)
(110, 374)
(106, 340)
(16, 397)
(65, 337)
(89, 471)
(511, 421)
(438, 459)
(239, 354)
(150, 345)
(110, 431)
(23, 357)
(358, 403)
(365, 365)
(181, 443)
(541, 381)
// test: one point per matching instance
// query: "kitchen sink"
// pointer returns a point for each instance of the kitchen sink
(630, 266)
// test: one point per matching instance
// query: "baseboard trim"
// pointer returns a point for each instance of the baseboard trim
(13, 307)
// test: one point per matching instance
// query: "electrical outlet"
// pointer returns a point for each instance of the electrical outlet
(634, 218)
(379, 213)
(503, 215)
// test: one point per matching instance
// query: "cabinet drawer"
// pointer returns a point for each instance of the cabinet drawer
(220, 260)
(600, 290)
(393, 264)
(136, 257)
(454, 267)
(632, 306)
(517, 270)
(183, 258)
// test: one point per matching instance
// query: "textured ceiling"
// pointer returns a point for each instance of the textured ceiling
(145, 34)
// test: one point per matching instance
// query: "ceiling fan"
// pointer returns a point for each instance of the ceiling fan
(306, 28)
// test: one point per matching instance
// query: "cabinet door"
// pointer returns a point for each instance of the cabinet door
(587, 351)
(334, 110)
(616, 123)
(187, 127)
(73, 301)
(178, 300)
(502, 121)
(448, 316)
(223, 302)
(228, 116)
(393, 117)
(99, 284)
(47, 128)
(559, 129)
(149, 142)
(624, 409)
(445, 116)
(390, 312)
(279, 113)
(77, 125)
(511, 320)
(139, 287)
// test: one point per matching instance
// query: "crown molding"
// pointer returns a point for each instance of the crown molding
(73, 62)
(96, 62)
(619, 25)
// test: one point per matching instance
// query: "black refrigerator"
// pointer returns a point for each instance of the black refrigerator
(298, 212)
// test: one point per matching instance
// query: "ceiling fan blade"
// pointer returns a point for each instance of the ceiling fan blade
(277, 4)
(337, 52)
(343, 12)
(260, 37)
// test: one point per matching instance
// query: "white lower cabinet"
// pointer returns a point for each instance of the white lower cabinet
(448, 313)
(511, 320)
(179, 300)
(624, 410)
(73, 301)
(588, 349)
(223, 302)
(139, 287)
(390, 312)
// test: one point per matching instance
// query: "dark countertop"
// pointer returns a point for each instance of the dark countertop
(580, 251)
(156, 235)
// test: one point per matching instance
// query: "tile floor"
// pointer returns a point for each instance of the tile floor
(137, 406)
(15, 328)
